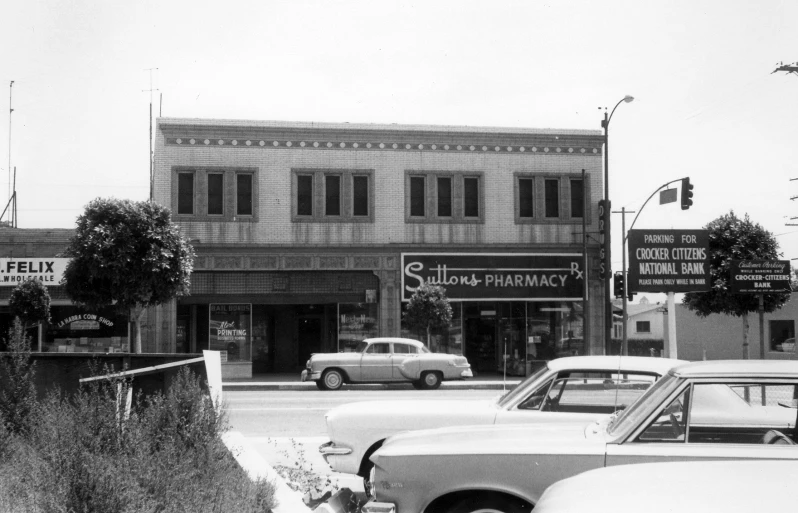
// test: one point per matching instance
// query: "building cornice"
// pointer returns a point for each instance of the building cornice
(252, 135)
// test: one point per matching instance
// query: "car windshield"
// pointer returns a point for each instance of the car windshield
(423, 349)
(632, 415)
(361, 346)
(523, 388)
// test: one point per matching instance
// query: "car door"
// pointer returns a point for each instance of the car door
(404, 357)
(375, 365)
(578, 396)
(721, 420)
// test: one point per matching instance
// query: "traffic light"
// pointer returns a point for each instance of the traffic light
(631, 296)
(618, 285)
(687, 193)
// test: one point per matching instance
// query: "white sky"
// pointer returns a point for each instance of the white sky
(706, 102)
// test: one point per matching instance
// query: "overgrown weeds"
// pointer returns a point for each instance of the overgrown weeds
(88, 453)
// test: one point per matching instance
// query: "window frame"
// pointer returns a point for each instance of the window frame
(319, 195)
(229, 193)
(178, 193)
(208, 176)
(539, 197)
(239, 174)
(431, 198)
(638, 325)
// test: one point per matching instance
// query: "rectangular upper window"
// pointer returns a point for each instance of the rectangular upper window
(643, 326)
(444, 197)
(360, 195)
(526, 204)
(304, 195)
(418, 196)
(185, 193)
(215, 194)
(552, 198)
(471, 197)
(244, 194)
(453, 197)
(332, 195)
(577, 198)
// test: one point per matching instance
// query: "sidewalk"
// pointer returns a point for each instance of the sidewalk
(291, 382)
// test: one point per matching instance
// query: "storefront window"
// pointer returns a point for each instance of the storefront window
(356, 322)
(76, 330)
(554, 330)
(230, 331)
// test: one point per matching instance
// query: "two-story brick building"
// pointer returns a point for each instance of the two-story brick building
(310, 236)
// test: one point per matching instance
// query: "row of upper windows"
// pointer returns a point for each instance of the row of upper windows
(348, 196)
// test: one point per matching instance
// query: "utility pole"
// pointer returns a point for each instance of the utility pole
(150, 155)
(10, 111)
(626, 293)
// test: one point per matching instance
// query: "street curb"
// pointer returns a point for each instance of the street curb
(288, 500)
(232, 386)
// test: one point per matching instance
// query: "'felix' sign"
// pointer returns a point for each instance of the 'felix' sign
(668, 261)
(14, 271)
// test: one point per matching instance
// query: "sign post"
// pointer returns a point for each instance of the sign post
(760, 277)
(670, 261)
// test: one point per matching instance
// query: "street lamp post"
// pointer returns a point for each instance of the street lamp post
(605, 124)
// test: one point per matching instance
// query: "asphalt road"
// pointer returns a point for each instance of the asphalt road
(283, 413)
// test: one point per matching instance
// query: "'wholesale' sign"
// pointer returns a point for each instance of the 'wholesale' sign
(668, 261)
(49, 271)
(496, 277)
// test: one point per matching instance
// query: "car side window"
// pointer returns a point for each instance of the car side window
(669, 425)
(399, 348)
(379, 348)
(596, 392)
(535, 400)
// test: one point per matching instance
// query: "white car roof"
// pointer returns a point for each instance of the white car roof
(394, 339)
(742, 368)
(623, 363)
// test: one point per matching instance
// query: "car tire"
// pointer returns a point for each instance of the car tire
(320, 385)
(332, 379)
(491, 503)
(430, 380)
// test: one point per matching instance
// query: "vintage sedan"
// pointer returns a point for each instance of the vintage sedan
(577, 388)
(386, 360)
(713, 410)
(706, 486)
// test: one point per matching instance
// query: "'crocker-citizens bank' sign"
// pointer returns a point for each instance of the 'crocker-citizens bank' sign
(760, 276)
(668, 261)
(490, 277)
(49, 271)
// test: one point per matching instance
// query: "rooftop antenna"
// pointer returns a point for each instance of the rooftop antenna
(10, 110)
(150, 156)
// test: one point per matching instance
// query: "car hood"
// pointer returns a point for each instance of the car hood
(410, 414)
(561, 438)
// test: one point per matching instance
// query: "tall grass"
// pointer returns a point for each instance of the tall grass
(82, 454)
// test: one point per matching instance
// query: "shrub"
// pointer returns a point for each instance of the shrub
(17, 386)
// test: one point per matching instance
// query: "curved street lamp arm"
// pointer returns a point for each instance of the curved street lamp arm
(626, 235)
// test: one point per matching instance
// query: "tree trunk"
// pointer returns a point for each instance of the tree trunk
(137, 312)
(428, 336)
(745, 336)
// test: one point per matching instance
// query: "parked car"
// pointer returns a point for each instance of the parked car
(579, 388)
(384, 360)
(712, 410)
(707, 486)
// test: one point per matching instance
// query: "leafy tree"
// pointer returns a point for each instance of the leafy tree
(17, 383)
(428, 309)
(30, 301)
(127, 254)
(732, 238)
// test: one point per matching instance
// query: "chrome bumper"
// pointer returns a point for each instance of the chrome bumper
(379, 507)
(309, 376)
(467, 374)
(330, 449)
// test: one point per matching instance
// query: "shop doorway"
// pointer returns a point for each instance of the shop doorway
(308, 338)
(481, 343)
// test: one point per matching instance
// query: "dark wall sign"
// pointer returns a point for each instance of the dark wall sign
(496, 277)
(760, 276)
(668, 261)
